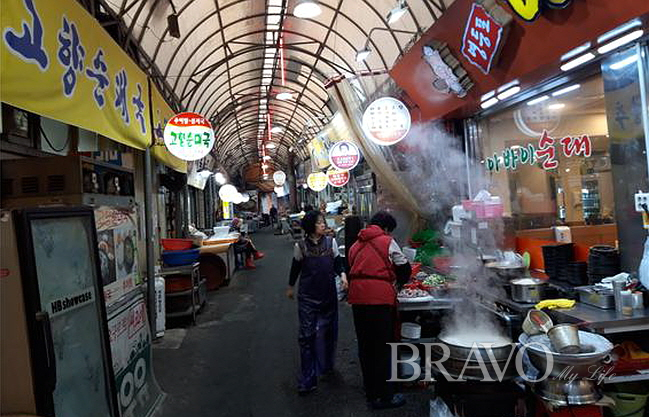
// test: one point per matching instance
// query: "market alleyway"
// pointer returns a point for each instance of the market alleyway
(242, 356)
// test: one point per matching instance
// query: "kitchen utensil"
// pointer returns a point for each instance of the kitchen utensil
(180, 257)
(638, 300)
(536, 322)
(597, 297)
(527, 290)
(556, 259)
(565, 338)
(594, 350)
(527, 259)
(410, 330)
(618, 287)
(569, 392)
(462, 360)
(505, 270)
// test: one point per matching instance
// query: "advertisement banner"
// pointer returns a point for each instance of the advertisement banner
(117, 241)
(130, 344)
(58, 62)
(344, 155)
(319, 154)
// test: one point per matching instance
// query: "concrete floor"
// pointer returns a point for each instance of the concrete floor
(241, 359)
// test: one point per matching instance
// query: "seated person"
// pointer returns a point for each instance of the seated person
(245, 245)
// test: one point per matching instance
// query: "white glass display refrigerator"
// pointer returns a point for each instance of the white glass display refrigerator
(55, 352)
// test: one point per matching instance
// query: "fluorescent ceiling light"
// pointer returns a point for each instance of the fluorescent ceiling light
(276, 129)
(396, 13)
(205, 172)
(305, 186)
(619, 30)
(266, 157)
(566, 90)
(306, 9)
(624, 62)
(291, 149)
(556, 106)
(620, 41)
(264, 166)
(574, 52)
(509, 92)
(487, 96)
(271, 146)
(489, 103)
(537, 100)
(577, 61)
(285, 95)
(363, 54)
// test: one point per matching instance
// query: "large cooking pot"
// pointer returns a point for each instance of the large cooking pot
(505, 271)
(462, 363)
(595, 352)
(527, 290)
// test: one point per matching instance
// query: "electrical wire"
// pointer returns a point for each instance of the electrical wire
(50, 143)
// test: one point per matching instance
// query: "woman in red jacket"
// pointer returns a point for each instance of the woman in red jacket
(377, 266)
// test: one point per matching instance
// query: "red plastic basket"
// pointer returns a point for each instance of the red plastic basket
(177, 244)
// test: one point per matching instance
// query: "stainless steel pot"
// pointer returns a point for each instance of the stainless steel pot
(524, 292)
(595, 353)
(461, 362)
(577, 392)
(504, 271)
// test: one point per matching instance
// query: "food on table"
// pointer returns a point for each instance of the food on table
(413, 293)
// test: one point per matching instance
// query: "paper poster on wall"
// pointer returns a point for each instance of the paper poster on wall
(386, 121)
(130, 343)
(117, 241)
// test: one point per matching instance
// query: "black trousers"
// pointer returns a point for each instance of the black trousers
(374, 330)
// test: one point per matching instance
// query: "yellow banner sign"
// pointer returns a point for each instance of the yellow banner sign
(161, 114)
(58, 62)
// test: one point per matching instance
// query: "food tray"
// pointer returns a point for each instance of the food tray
(416, 299)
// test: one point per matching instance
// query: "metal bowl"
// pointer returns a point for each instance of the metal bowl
(595, 352)
(575, 392)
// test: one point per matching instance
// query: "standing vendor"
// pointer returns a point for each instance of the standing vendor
(316, 262)
(377, 266)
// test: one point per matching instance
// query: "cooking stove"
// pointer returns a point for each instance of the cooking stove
(482, 399)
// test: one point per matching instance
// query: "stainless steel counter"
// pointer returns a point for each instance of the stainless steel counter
(603, 321)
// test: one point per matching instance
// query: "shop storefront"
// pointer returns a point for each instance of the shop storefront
(573, 154)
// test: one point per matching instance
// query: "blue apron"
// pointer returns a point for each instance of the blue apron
(317, 311)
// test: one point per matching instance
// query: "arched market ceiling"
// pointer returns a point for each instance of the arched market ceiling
(226, 63)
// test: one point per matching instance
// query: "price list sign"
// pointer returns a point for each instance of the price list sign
(386, 121)
(189, 136)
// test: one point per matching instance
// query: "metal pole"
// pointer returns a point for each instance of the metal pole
(148, 223)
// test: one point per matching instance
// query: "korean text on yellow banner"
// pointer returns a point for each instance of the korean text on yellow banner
(58, 62)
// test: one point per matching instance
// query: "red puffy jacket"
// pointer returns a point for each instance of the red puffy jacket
(372, 275)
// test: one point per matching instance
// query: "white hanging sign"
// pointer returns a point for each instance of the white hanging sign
(189, 136)
(386, 121)
(344, 155)
(279, 177)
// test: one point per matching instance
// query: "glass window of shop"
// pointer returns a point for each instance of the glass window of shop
(575, 155)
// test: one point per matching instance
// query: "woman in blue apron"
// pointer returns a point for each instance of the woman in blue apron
(316, 262)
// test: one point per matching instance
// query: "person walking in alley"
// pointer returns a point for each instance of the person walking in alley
(316, 262)
(273, 215)
(376, 267)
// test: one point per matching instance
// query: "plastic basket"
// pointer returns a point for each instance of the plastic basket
(628, 404)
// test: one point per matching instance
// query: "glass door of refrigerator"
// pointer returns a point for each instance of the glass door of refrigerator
(66, 271)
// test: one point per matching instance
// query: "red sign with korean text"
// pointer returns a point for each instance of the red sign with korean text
(482, 37)
(337, 178)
